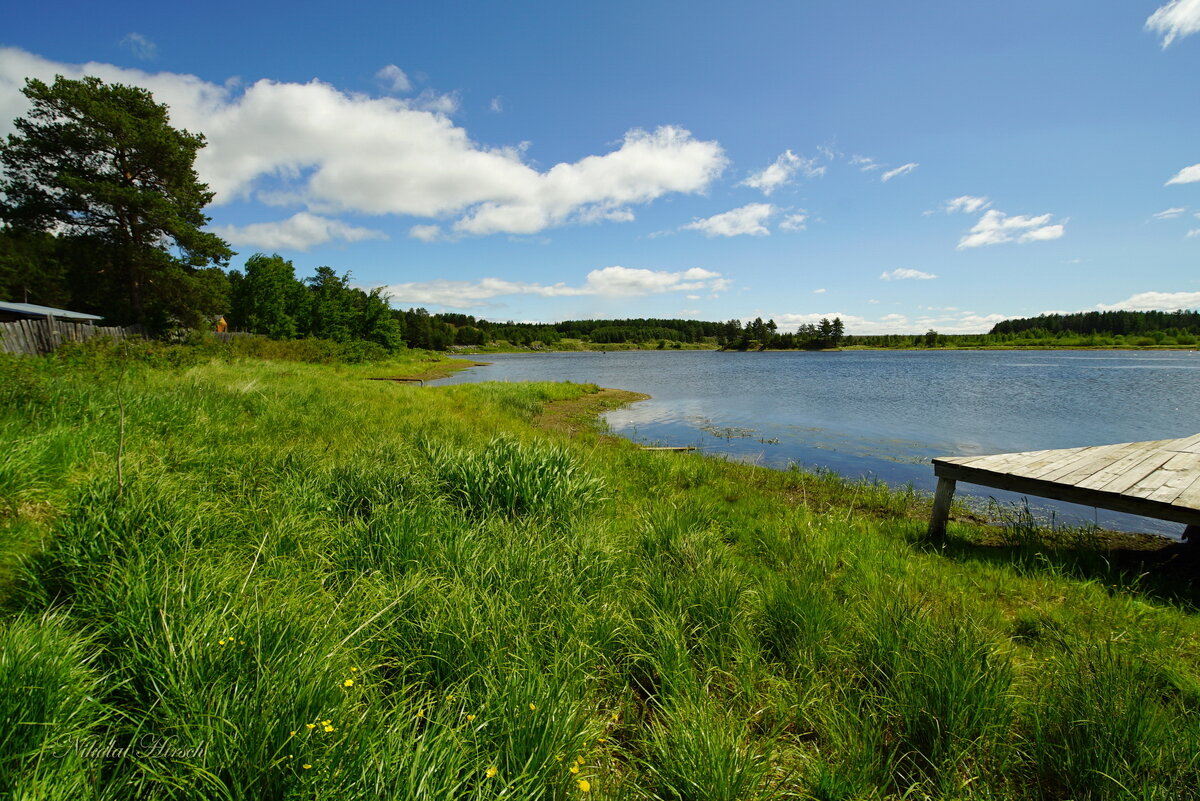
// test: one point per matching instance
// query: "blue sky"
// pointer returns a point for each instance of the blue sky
(902, 165)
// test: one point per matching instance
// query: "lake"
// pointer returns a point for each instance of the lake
(884, 414)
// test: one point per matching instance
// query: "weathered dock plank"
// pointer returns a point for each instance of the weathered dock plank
(1157, 478)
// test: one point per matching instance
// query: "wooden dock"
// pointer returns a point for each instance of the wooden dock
(1159, 479)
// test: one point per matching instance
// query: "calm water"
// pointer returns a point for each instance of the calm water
(884, 415)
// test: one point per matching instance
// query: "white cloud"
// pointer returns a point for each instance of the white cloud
(955, 323)
(299, 232)
(141, 47)
(872, 300)
(426, 233)
(995, 227)
(1193, 232)
(1176, 19)
(329, 151)
(497, 104)
(394, 79)
(902, 273)
(613, 281)
(1169, 214)
(794, 222)
(1188, 175)
(781, 172)
(1155, 301)
(865, 163)
(749, 220)
(819, 291)
(903, 169)
(967, 204)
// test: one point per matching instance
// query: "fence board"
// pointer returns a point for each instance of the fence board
(35, 337)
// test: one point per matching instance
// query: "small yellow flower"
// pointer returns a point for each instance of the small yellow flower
(220, 642)
(492, 771)
(353, 670)
(578, 760)
(420, 713)
(348, 683)
(558, 757)
(533, 707)
(328, 728)
(584, 785)
(307, 766)
(615, 715)
(292, 734)
(449, 697)
(470, 718)
(311, 725)
(574, 768)
(326, 722)
(602, 740)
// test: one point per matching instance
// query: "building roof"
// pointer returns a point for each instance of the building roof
(33, 310)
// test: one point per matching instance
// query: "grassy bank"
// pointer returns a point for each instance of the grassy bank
(284, 580)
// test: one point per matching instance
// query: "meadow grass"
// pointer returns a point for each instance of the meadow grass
(306, 584)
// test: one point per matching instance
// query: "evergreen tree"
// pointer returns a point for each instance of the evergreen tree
(101, 162)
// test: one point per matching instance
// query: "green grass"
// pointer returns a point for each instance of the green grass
(477, 606)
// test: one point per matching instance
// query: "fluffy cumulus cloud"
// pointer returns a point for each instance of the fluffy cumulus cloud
(782, 172)
(299, 232)
(1155, 301)
(967, 204)
(329, 152)
(394, 79)
(903, 169)
(1175, 20)
(613, 281)
(995, 228)
(749, 220)
(903, 273)
(1188, 175)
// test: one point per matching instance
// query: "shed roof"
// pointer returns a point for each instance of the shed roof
(33, 310)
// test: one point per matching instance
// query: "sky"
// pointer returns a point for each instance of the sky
(903, 166)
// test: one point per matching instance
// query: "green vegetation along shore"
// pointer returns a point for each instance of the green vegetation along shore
(228, 577)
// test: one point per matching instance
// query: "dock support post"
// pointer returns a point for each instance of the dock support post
(941, 509)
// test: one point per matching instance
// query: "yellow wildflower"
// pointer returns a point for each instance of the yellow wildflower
(326, 722)
(328, 728)
(492, 771)
(292, 734)
(578, 760)
(311, 725)
(420, 713)
(353, 670)
(574, 768)
(348, 683)
(533, 707)
(615, 715)
(307, 766)
(470, 718)
(220, 642)
(584, 785)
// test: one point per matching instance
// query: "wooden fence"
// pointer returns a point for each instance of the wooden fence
(37, 336)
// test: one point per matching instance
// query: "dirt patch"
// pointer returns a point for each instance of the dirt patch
(443, 371)
(572, 417)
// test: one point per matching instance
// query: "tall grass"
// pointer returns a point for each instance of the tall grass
(476, 609)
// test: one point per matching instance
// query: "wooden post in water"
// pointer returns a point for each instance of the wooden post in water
(941, 509)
